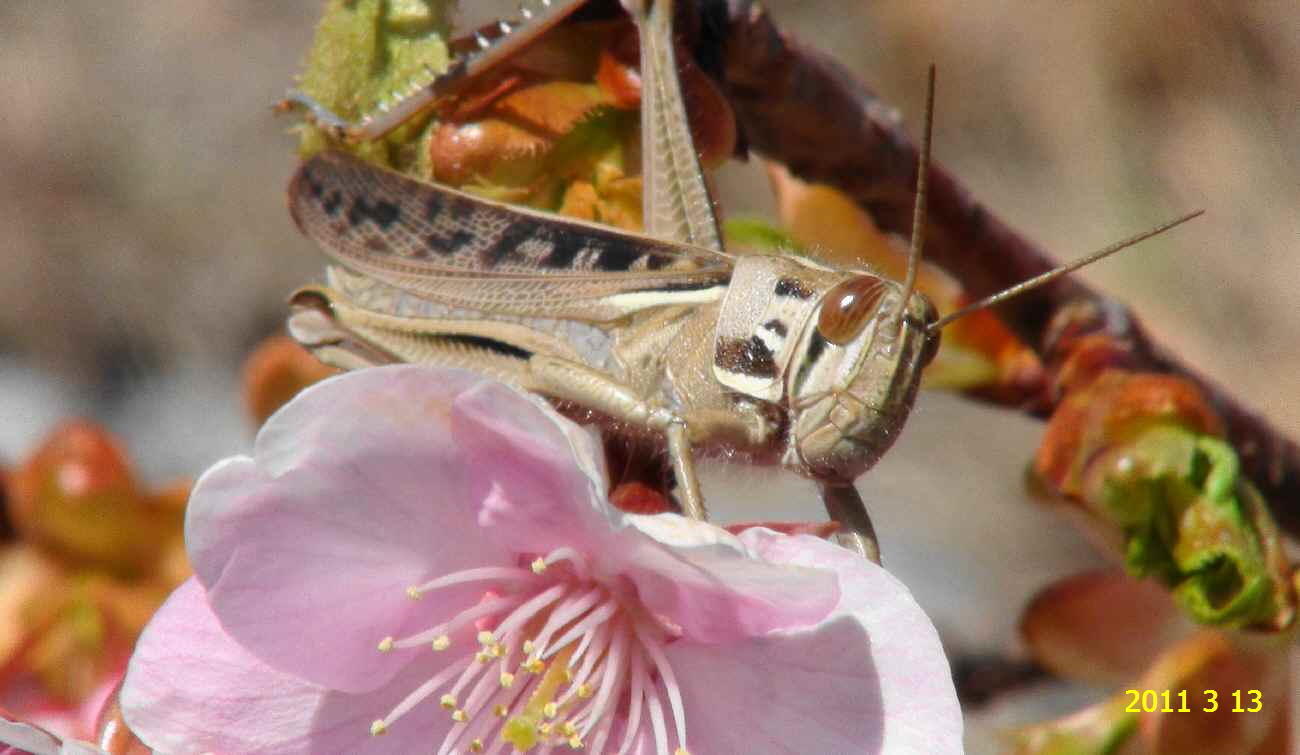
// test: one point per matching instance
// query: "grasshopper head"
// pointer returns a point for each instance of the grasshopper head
(855, 384)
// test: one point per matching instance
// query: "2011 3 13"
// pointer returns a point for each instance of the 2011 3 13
(1182, 701)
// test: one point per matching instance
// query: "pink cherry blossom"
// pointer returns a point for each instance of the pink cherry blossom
(418, 560)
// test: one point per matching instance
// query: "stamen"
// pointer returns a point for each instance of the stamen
(420, 693)
(590, 656)
(584, 628)
(665, 670)
(571, 609)
(531, 608)
(634, 703)
(656, 708)
(468, 616)
(612, 672)
(572, 556)
(585, 660)
(486, 573)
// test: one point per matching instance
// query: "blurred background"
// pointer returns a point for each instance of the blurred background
(146, 247)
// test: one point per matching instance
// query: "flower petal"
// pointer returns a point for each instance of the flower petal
(919, 711)
(544, 475)
(191, 688)
(709, 582)
(357, 490)
(17, 737)
(795, 692)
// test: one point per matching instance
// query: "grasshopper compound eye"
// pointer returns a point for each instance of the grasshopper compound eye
(848, 308)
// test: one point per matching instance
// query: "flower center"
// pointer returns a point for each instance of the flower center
(559, 660)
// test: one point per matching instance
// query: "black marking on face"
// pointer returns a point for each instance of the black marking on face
(332, 202)
(815, 350)
(488, 344)
(776, 326)
(793, 287)
(747, 357)
(381, 212)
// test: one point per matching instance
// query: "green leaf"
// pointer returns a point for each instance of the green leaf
(367, 52)
(1177, 496)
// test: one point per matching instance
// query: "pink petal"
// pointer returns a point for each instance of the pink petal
(357, 490)
(910, 673)
(17, 738)
(543, 475)
(705, 580)
(190, 688)
(795, 692)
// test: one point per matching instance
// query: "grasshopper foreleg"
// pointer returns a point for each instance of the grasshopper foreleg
(567, 380)
(844, 505)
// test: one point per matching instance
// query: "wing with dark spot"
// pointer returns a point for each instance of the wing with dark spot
(470, 252)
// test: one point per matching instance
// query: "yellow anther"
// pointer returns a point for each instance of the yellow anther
(544, 729)
(681, 751)
(486, 638)
(585, 691)
(500, 710)
(482, 656)
(414, 593)
(386, 644)
(567, 676)
(539, 565)
(497, 650)
(575, 742)
(507, 679)
(534, 665)
(550, 710)
(448, 701)
(378, 727)
(476, 745)
(528, 647)
(459, 716)
(441, 642)
(568, 729)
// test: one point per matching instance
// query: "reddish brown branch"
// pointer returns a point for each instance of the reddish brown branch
(808, 112)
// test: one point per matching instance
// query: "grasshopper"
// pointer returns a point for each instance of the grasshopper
(772, 359)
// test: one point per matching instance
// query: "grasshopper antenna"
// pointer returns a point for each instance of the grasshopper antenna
(1052, 275)
(918, 211)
